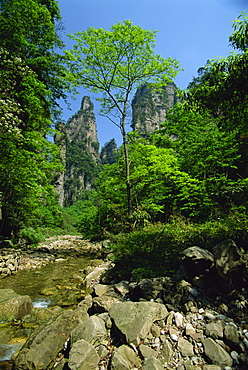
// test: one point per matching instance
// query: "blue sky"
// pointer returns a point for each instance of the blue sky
(191, 31)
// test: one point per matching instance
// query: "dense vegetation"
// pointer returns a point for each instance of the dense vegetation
(30, 83)
(187, 182)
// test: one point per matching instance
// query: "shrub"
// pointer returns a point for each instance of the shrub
(155, 249)
(31, 235)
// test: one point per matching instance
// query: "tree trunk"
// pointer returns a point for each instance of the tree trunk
(127, 167)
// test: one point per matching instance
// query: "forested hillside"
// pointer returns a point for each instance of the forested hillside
(31, 84)
(185, 183)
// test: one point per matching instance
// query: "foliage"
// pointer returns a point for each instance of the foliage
(83, 215)
(29, 30)
(25, 180)
(221, 88)
(30, 81)
(31, 236)
(158, 189)
(203, 148)
(155, 250)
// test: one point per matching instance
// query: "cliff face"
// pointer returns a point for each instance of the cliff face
(150, 107)
(108, 152)
(80, 154)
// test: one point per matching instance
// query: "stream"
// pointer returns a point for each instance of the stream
(55, 284)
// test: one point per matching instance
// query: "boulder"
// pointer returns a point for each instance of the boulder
(216, 354)
(42, 347)
(83, 356)
(13, 305)
(231, 336)
(147, 288)
(133, 320)
(167, 351)
(211, 367)
(152, 363)
(196, 260)
(185, 347)
(228, 258)
(38, 316)
(122, 288)
(92, 330)
(103, 303)
(101, 289)
(94, 276)
(124, 358)
(214, 330)
(147, 351)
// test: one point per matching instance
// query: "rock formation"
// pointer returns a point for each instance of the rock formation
(79, 152)
(150, 107)
(108, 152)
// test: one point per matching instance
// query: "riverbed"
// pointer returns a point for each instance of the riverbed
(54, 285)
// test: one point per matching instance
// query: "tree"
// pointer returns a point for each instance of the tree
(29, 30)
(159, 189)
(115, 63)
(30, 82)
(221, 90)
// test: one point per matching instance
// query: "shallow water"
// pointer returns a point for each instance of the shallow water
(57, 283)
(51, 280)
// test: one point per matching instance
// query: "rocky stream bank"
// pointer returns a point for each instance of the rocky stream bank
(197, 319)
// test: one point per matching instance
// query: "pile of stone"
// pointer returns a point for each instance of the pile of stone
(107, 332)
(196, 320)
(13, 260)
(153, 324)
(9, 262)
(69, 244)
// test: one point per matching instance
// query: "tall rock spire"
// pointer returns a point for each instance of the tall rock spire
(149, 108)
(80, 153)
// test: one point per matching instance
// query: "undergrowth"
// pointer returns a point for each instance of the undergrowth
(155, 249)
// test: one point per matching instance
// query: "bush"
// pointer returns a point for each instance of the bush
(31, 235)
(155, 250)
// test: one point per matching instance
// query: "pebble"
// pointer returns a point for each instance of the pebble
(235, 356)
(178, 319)
(174, 337)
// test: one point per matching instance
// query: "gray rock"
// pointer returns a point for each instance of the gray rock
(94, 276)
(231, 336)
(147, 289)
(104, 303)
(211, 367)
(91, 330)
(197, 260)
(152, 363)
(179, 319)
(216, 354)
(185, 347)
(101, 289)
(124, 358)
(42, 347)
(147, 351)
(227, 257)
(122, 288)
(133, 320)
(86, 303)
(155, 330)
(102, 350)
(13, 306)
(214, 330)
(167, 351)
(83, 356)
